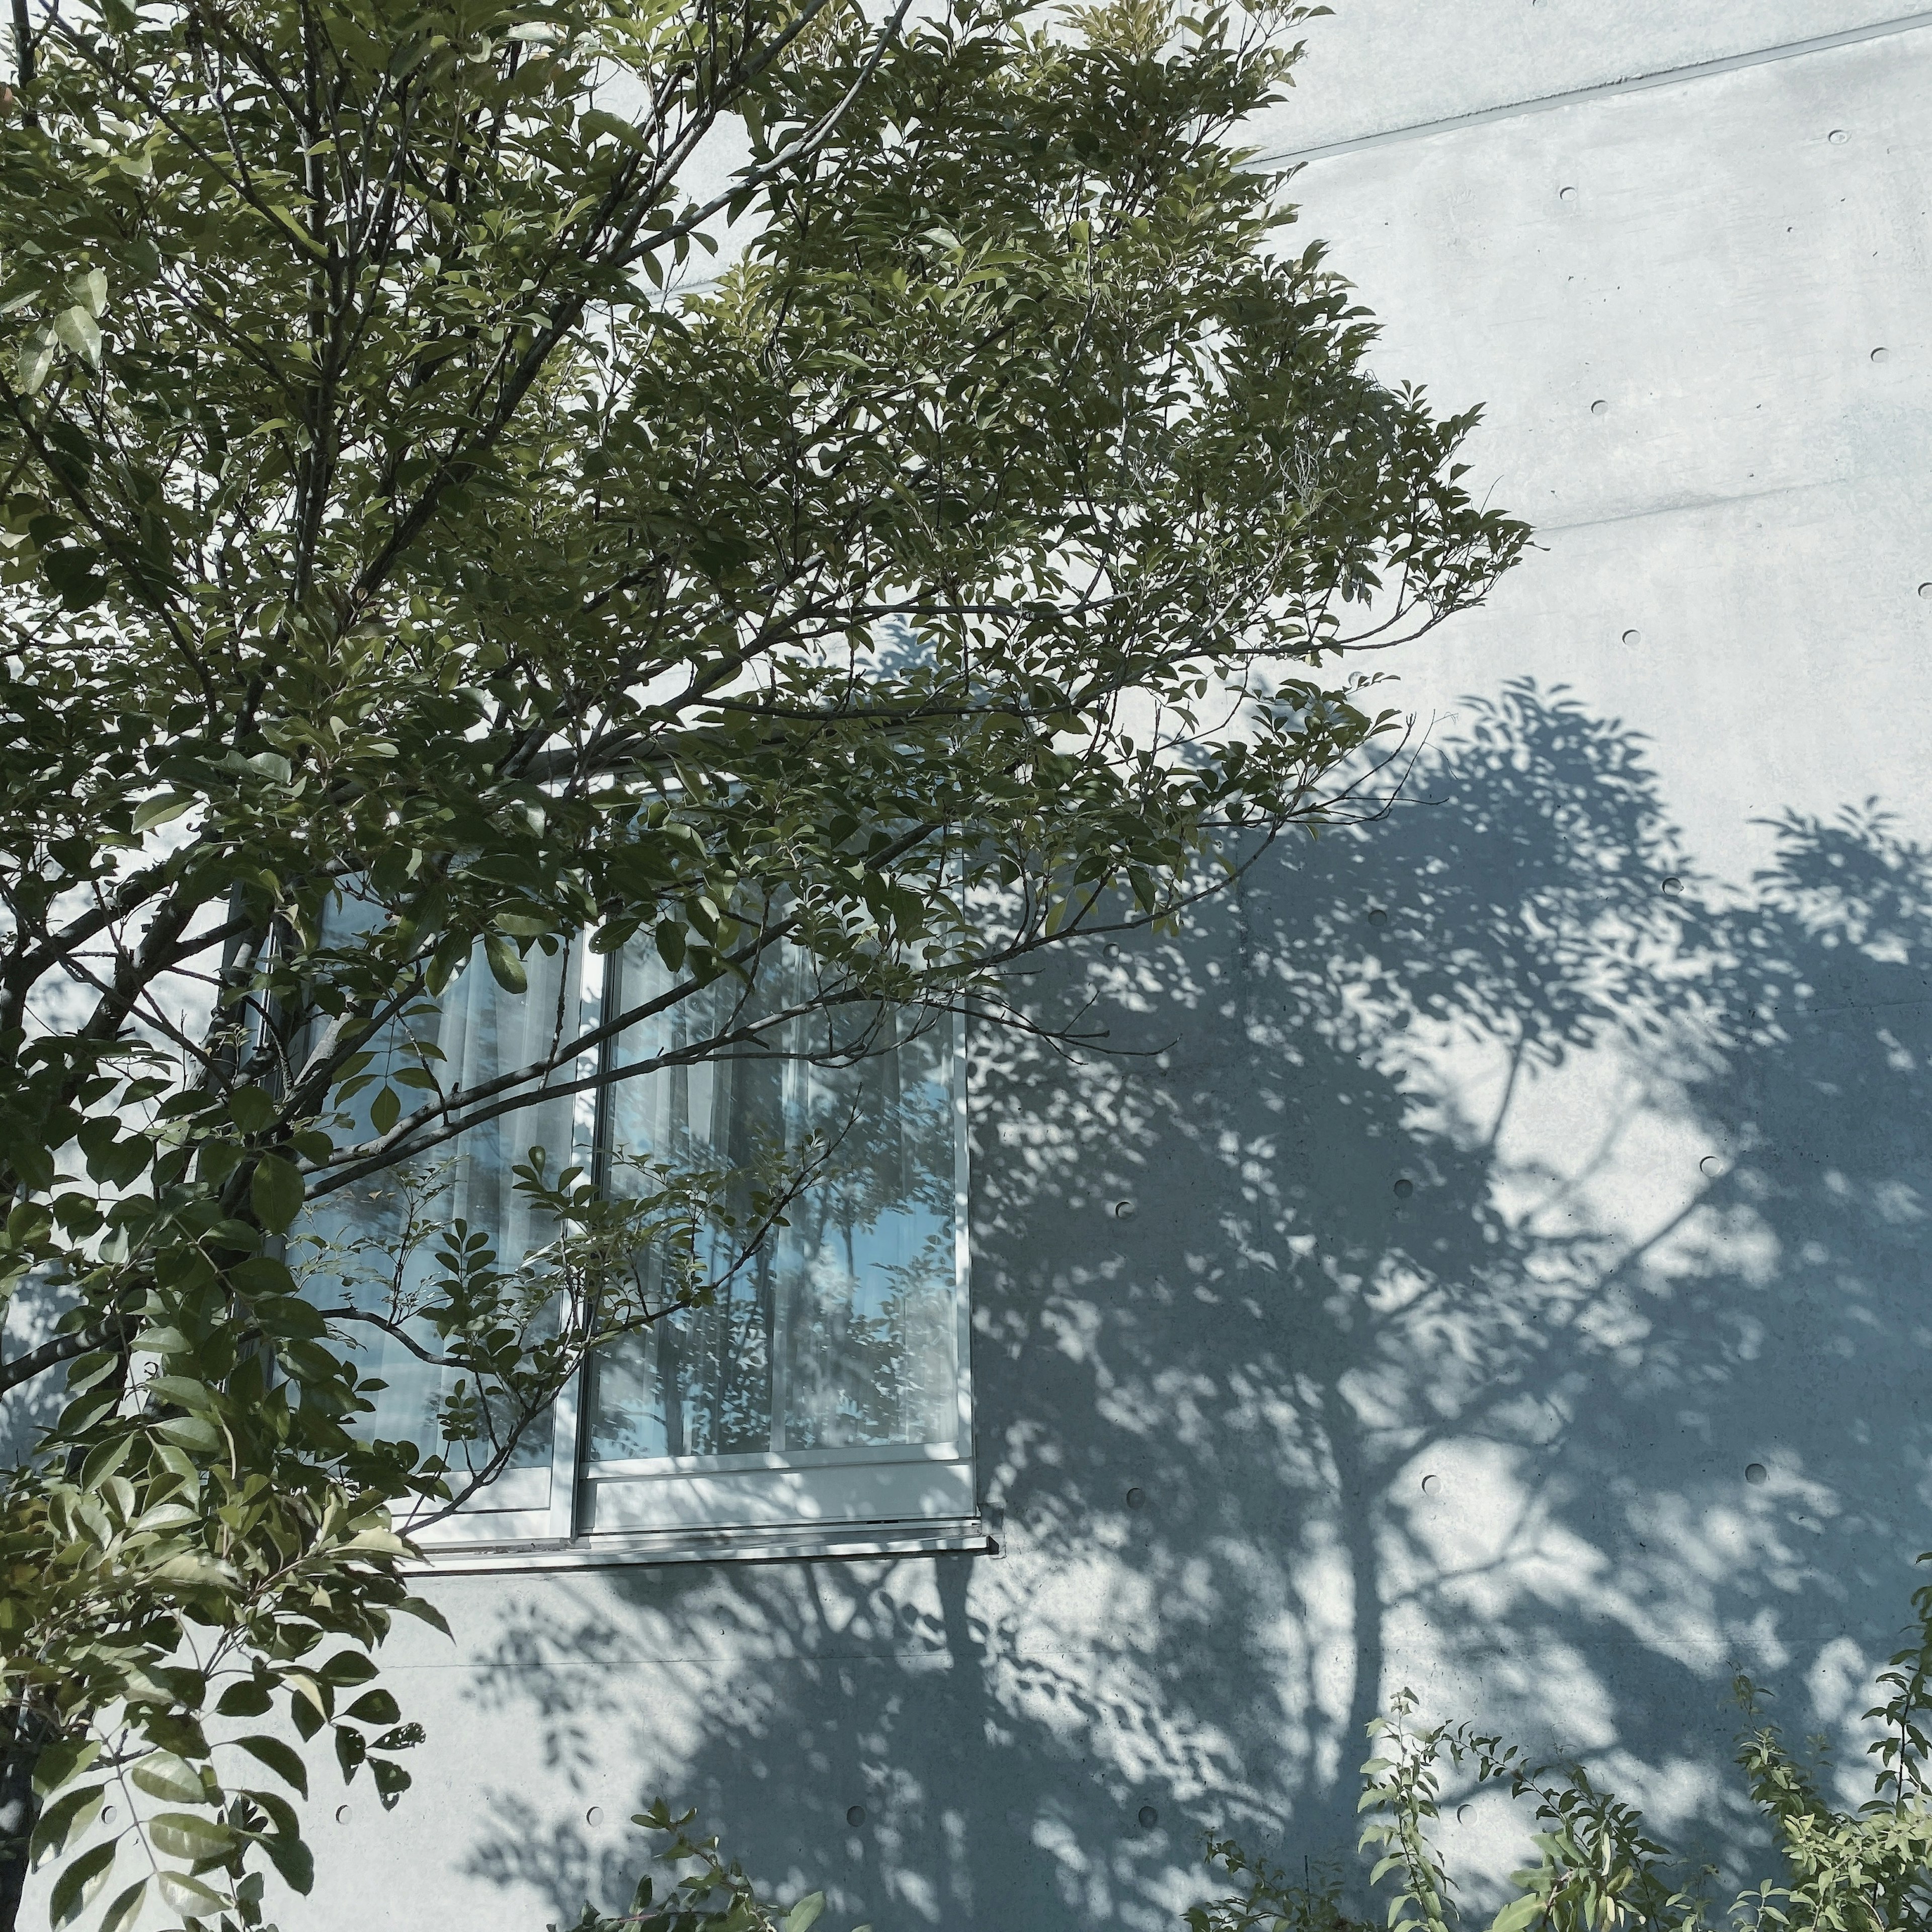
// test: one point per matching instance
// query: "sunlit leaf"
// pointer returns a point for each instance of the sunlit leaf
(159, 811)
(124, 1908)
(66, 1819)
(37, 359)
(162, 1774)
(189, 1896)
(80, 1882)
(186, 1835)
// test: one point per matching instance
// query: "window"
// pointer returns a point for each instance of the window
(821, 1400)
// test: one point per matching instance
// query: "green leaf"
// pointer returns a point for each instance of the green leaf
(374, 1707)
(166, 1517)
(252, 1110)
(505, 967)
(261, 1274)
(276, 1193)
(63, 1759)
(186, 1835)
(309, 1703)
(176, 1732)
(162, 1774)
(595, 123)
(391, 1780)
(37, 358)
(294, 1860)
(65, 1820)
(92, 289)
(377, 1541)
(166, 1340)
(196, 1569)
(283, 1822)
(75, 1889)
(284, 1759)
(103, 1459)
(159, 811)
(246, 1698)
(805, 1913)
(126, 1908)
(183, 1392)
(385, 1110)
(524, 925)
(292, 227)
(1517, 1914)
(190, 1897)
(426, 1612)
(194, 1433)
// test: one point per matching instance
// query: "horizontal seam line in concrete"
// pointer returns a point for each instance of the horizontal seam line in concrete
(1687, 504)
(1600, 90)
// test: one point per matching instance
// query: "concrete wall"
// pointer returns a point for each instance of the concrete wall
(1630, 992)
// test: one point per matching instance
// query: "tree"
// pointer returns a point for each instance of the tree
(407, 573)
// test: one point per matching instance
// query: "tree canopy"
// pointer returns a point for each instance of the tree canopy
(758, 481)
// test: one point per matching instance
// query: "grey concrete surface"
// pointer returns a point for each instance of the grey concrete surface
(1384, 68)
(1631, 992)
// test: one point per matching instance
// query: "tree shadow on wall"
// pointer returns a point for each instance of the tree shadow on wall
(1518, 1295)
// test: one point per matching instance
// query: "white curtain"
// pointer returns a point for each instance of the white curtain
(482, 1033)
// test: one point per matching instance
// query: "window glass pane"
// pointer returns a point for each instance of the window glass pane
(373, 1246)
(842, 1329)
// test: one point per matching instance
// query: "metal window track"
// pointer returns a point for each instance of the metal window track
(633, 1550)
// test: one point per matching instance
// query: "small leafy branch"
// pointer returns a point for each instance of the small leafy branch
(714, 1897)
(1600, 1871)
(245, 1614)
(1267, 1899)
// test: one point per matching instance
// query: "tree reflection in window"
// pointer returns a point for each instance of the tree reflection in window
(842, 1329)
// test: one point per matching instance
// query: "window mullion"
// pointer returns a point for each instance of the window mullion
(570, 1440)
(790, 1110)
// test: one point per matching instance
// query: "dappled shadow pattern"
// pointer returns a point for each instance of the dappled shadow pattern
(1493, 1262)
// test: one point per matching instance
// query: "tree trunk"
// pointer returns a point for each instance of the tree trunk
(23, 69)
(23, 45)
(19, 1752)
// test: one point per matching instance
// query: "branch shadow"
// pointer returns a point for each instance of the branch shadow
(1493, 1263)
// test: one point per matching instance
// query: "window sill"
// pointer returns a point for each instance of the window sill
(969, 1536)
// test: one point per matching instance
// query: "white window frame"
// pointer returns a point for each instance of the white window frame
(892, 1499)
